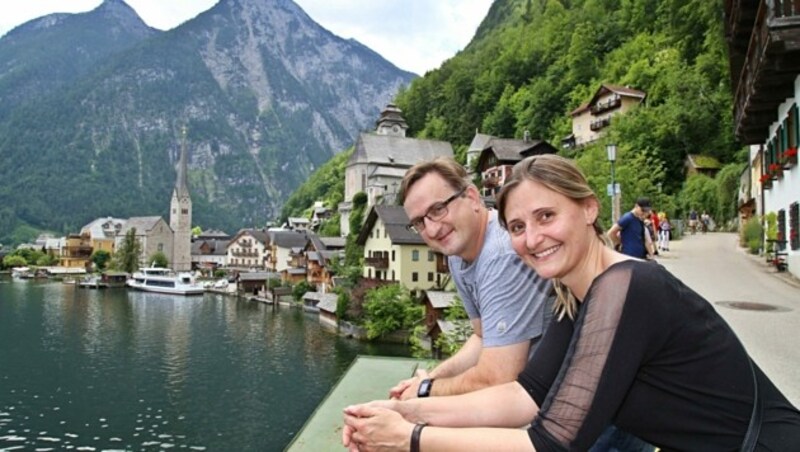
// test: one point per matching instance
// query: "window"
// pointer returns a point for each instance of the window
(430, 276)
(393, 277)
(161, 247)
(415, 277)
(430, 256)
(415, 255)
(794, 224)
(392, 255)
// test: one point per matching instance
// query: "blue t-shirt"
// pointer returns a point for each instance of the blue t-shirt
(513, 303)
(632, 235)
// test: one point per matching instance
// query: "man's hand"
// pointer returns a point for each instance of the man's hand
(407, 389)
(375, 426)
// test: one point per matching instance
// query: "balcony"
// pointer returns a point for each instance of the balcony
(764, 48)
(377, 262)
(598, 124)
(610, 104)
(244, 253)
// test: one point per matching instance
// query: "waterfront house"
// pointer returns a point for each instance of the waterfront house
(327, 312)
(321, 254)
(103, 233)
(311, 300)
(153, 234)
(254, 283)
(248, 250)
(209, 254)
(381, 159)
(591, 118)
(279, 254)
(393, 253)
(76, 252)
(763, 47)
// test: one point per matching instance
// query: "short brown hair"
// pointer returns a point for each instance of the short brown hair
(451, 171)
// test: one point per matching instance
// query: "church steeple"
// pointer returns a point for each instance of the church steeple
(392, 122)
(181, 189)
(180, 218)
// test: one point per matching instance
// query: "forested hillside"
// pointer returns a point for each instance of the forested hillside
(534, 61)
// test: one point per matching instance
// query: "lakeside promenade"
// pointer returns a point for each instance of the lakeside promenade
(716, 267)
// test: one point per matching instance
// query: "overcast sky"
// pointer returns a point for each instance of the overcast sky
(415, 35)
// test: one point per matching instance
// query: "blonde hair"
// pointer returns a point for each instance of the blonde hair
(562, 176)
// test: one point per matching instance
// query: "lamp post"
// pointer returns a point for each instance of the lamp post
(613, 188)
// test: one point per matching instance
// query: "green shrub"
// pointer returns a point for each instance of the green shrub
(752, 233)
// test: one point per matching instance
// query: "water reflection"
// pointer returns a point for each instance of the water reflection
(111, 369)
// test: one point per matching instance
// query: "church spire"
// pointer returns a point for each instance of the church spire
(181, 189)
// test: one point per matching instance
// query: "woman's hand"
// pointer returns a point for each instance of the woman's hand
(375, 427)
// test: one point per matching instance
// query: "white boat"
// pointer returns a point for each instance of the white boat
(164, 280)
(21, 272)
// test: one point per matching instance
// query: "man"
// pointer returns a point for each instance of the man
(629, 231)
(508, 303)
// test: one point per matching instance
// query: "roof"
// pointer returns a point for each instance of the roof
(510, 151)
(395, 220)
(255, 276)
(296, 271)
(213, 234)
(328, 304)
(257, 234)
(107, 227)
(333, 242)
(288, 239)
(142, 224)
(397, 151)
(299, 220)
(479, 141)
(703, 161)
(440, 299)
(216, 247)
(606, 88)
(320, 296)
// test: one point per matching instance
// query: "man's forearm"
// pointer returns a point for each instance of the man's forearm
(465, 358)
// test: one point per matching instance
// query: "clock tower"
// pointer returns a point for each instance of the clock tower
(180, 215)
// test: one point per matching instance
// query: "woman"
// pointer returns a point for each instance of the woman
(629, 345)
(663, 234)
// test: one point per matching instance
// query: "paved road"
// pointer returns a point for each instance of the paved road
(714, 266)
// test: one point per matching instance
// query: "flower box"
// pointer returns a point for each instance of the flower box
(766, 181)
(776, 171)
(788, 158)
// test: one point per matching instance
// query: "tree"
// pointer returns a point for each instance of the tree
(100, 258)
(159, 259)
(390, 308)
(127, 256)
(13, 260)
(300, 289)
(196, 231)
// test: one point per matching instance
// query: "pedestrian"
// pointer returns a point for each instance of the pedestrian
(665, 229)
(629, 230)
(629, 344)
(693, 221)
(705, 220)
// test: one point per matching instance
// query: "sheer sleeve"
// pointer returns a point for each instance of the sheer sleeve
(599, 366)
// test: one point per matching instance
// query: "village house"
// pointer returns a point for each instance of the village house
(282, 254)
(248, 250)
(393, 253)
(381, 159)
(702, 164)
(590, 118)
(76, 252)
(103, 233)
(321, 253)
(497, 157)
(763, 48)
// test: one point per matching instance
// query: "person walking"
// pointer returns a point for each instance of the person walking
(629, 230)
(629, 344)
(693, 221)
(665, 229)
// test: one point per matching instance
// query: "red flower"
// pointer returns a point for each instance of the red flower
(789, 153)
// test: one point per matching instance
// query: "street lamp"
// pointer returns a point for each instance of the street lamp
(613, 188)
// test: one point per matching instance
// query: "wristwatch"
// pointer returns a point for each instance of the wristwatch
(425, 387)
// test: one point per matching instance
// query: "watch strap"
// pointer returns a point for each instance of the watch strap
(415, 437)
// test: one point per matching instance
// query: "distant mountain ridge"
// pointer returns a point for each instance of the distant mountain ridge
(267, 96)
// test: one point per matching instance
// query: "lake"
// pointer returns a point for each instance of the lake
(113, 369)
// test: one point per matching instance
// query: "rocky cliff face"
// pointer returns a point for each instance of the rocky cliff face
(267, 95)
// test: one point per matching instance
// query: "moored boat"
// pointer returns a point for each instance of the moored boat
(164, 280)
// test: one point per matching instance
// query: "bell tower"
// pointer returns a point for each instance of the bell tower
(180, 217)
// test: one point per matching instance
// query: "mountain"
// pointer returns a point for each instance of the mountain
(266, 95)
(45, 54)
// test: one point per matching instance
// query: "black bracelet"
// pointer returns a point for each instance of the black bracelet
(415, 437)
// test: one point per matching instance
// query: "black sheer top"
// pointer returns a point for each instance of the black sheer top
(653, 357)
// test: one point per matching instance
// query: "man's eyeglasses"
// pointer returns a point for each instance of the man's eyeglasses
(435, 213)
